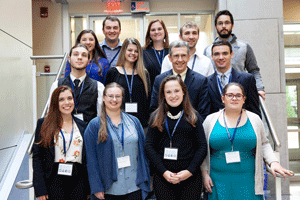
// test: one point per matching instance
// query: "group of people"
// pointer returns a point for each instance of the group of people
(123, 110)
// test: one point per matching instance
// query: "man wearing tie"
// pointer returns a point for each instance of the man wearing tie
(87, 92)
(195, 82)
(222, 55)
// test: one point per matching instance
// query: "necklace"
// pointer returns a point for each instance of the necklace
(173, 117)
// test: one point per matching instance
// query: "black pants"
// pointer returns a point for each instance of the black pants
(137, 195)
(67, 187)
(185, 190)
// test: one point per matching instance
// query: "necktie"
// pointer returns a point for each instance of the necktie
(179, 76)
(76, 83)
(223, 82)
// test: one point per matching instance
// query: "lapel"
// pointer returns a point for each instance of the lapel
(235, 76)
(189, 78)
(214, 85)
(151, 57)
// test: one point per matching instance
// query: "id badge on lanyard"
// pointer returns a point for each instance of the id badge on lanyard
(65, 169)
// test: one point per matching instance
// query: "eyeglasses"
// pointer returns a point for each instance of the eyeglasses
(222, 23)
(112, 97)
(238, 96)
(176, 57)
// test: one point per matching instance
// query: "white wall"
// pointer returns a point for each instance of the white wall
(15, 75)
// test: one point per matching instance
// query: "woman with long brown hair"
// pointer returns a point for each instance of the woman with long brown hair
(59, 164)
(131, 74)
(98, 65)
(156, 47)
(175, 143)
(116, 161)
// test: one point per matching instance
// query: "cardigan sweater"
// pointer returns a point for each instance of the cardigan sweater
(101, 161)
(263, 148)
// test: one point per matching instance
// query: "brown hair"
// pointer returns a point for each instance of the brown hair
(53, 121)
(148, 40)
(102, 134)
(97, 51)
(158, 116)
(79, 45)
(139, 64)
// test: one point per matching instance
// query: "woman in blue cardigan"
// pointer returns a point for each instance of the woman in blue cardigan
(116, 161)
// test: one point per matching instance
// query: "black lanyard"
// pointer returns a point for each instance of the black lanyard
(167, 128)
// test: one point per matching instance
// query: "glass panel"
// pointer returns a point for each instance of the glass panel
(292, 73)
(77, 25)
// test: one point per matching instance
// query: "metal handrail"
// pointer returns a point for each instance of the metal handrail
(270, 124)
(59, 72)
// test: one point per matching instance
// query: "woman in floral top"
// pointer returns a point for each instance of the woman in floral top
(59, 165)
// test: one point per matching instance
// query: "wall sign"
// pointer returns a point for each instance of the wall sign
(140, 6)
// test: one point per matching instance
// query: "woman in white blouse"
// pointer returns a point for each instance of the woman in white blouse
(59, 165)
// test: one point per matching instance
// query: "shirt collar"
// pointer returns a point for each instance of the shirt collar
(104, 43)
(227, 73)
(81, 79)
(183, 74)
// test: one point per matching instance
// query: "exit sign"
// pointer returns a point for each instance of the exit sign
(140, 6)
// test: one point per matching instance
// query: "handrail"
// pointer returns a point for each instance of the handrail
(59, 72)
(270, 124)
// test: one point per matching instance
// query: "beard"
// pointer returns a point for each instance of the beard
(224, 35)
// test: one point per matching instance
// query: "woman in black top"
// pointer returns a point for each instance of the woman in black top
(175, 143)
(156, 47)
(134, 78)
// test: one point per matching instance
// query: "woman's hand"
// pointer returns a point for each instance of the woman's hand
(44, 197)
(99, 195)
(183, 175)
(170, 177)
(207, 181)
(276, 167)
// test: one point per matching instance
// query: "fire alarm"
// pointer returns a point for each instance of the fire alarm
(44, 12)
(47, 68)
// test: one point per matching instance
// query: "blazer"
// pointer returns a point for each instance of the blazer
(151, 63)
(43, 160)
(197, 89)
(246, 80)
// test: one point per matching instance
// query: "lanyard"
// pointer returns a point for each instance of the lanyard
(89, 71)
(76, 101)
(129, 85)
(194, 62)
(121, 140)
(219, 83)
(167, 127)
(64, 140)
(112, 60)
(159, 57)
(234, 132)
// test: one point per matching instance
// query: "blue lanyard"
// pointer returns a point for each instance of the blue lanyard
(64, 140)
(121, 140)
(129, 85)
(159, 57)
(91, 64)
(76, 101)
(113, 57)
(167, 127)
(219, 83)
(234, 132)
(194, 62)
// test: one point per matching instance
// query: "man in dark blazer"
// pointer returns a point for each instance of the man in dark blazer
(222, 55)
(195, 82)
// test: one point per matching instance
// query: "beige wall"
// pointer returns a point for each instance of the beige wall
(155, 6)
(15, 75)
(291, 12)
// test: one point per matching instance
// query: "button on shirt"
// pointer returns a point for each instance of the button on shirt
(111, 52)
(219, 76)
(126, 176)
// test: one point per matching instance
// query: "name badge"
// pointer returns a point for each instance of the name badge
(171, 153)
(79, 116)
(131, 107)
(233, 157)
(123, 162)
(65, 169)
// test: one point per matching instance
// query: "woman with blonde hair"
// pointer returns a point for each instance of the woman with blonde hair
(131, 74)
(116, 162)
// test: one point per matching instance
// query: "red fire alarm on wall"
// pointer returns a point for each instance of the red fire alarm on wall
(44, 12)
(47, 68)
